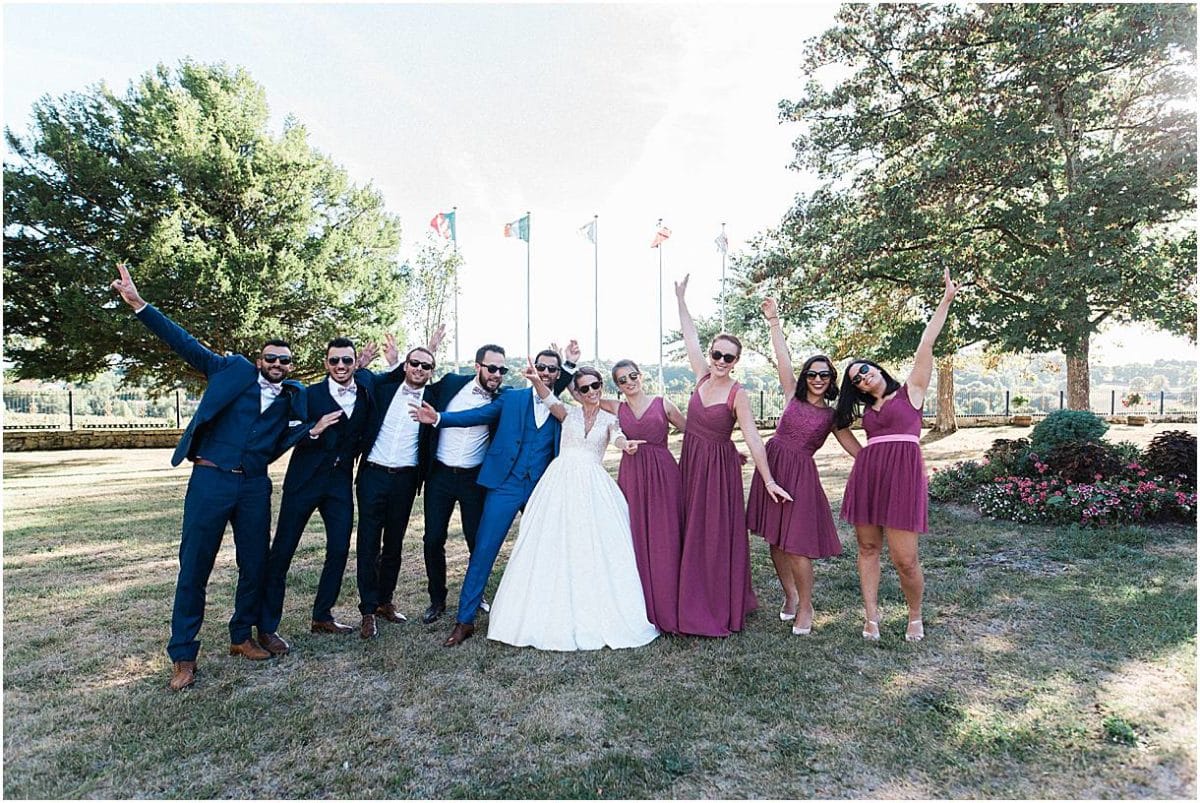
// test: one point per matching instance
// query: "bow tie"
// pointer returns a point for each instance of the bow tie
(344, 390)
(478, 391)
(270, 387)
(538, 400)
(416, 394)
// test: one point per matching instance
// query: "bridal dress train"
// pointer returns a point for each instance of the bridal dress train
(572, 580)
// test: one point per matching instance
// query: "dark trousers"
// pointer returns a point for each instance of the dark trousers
(330, 492)
(216, 498)
(385, 502)
(443, 487)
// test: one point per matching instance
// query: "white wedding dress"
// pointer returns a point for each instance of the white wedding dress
(572, 580)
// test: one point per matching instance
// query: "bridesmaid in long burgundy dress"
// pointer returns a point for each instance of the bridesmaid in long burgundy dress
(887, 493)
(802, 530)
(714, 573)
(653, 486)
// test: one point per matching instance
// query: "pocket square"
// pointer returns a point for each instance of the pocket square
(295, 423)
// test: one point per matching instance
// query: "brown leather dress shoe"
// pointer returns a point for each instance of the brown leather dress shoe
(368, 629)
(331, 626)
(459, 634)
(248, 649)
(183, 674)
(388, 611)
(274, 644)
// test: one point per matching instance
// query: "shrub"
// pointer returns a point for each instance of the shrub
(1172, 454)
(1009, 456)
(959, 482)
(1055, 501)
(1127, 452)
(1067, 426)
(1088, 461)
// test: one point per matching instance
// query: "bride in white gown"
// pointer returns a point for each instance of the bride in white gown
(572, 581)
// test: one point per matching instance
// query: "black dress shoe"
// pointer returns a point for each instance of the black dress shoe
(433, 613)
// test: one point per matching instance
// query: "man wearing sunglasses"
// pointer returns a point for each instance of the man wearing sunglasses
(457, 454)
(524, 442)
(320, 478)
(249, 415)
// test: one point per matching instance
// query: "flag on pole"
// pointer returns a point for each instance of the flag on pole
(722, 243)
(662, 234)
(518, 228)
(443, 224)
(589, 230)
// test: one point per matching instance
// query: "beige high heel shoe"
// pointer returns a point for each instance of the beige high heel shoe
(915, 631)
(871, 630)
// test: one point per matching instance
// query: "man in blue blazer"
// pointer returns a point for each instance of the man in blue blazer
(525, 441)
(248, 416)
(320, 477)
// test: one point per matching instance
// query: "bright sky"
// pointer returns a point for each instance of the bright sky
(631, 112)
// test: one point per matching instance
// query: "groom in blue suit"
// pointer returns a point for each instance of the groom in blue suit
(524, 443)
(248, 416)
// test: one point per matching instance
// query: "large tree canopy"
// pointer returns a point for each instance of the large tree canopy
(1047, 153)
(237, 234)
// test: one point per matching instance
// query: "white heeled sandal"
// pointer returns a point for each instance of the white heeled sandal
(871, 631)
(915, 635)
(801, 631)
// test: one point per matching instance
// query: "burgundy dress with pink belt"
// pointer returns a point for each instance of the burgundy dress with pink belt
(714, 573)
(888, 486)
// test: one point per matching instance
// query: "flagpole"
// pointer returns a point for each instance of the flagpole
(528, 283)
(596, 287)
(454, 238)
(722, 280)
(662, 387)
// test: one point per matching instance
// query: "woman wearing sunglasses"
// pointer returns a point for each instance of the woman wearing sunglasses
(714, 573)
(572, 581)
(803, 529)
(887, 494)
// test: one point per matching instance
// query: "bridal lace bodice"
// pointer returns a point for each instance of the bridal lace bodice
(573, 442)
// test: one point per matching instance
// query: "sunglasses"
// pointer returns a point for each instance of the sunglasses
(629, 377)
(860, 375)
(493, 369)
(342, 360)
(282, 359)
(727, 358)
(818, 374)
(589, 388)
(547, 369)
(428, 366)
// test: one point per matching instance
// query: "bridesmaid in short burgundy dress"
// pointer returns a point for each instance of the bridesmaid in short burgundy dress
(887, 493)
(650, 479)
(802, 530)
(714, 573)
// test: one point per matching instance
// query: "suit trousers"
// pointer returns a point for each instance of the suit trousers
(385, 502)
(216, 498)
(500, 507)
(444, 486)
(331, 492)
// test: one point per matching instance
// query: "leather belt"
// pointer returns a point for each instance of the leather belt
(200, 461)
(392, 469)
(457, 469)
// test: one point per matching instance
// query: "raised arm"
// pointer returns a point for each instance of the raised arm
(783, 357)
(691, 338)
(552, 402)
(745, 418)
(922, 370)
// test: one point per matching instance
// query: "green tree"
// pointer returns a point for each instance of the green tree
(238, 234)
(1046, 153)
(430, 281)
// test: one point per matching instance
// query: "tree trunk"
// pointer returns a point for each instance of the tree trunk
(1079, 381)
(946, 422)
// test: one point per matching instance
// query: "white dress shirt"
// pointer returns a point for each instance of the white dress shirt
(540, 411)
(464, 447)
(345, 400)
(396, 444)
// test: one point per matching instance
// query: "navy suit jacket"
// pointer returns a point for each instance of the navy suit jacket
(228, 377)
(344, 440)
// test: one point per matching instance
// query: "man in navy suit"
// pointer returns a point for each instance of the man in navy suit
(320, 477)
(248, 416)
(455, 460)
(525, 441)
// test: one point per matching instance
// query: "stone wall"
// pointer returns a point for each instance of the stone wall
(59, 439)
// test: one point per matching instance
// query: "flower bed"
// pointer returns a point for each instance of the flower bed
(1056, 501)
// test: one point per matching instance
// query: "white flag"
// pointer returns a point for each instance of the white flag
(722, 243)
(589, 230)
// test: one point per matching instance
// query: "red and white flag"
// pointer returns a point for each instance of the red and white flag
(662, 234)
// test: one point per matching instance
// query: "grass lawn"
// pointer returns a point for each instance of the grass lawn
(1058, 663)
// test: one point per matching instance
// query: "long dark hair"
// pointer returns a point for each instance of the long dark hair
(851, 404)
(831, 392)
